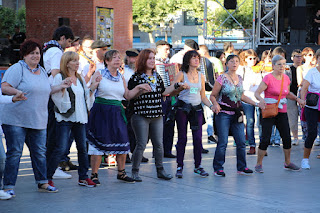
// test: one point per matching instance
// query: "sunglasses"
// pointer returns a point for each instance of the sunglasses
(310, 55)
(297, 56)
(251, 58)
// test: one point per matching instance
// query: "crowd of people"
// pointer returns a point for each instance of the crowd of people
(73, 89)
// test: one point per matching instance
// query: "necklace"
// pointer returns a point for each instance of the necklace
(234, 82)
(193, 76)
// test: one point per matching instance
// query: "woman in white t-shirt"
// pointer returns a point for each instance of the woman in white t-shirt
(311, 85)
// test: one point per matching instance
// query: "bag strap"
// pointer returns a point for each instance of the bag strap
(282, 79)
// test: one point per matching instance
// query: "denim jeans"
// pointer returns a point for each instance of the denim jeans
(168, 127)
(63, 130)
(224, 123)
(249, 112)
(209, 117)
(182, 122)
(65, 157)
(275, 135)
(143, 129)
(2, 161)
(36, 141)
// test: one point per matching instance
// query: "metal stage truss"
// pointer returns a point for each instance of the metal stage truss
(264, 25)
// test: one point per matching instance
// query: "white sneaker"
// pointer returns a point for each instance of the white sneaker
(316, 142)
(305, 163)
(4, 195)
(295, 142)
(59, 174)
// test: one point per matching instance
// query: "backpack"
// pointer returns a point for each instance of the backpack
(44, 49)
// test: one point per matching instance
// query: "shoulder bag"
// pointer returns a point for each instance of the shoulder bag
(271, 110)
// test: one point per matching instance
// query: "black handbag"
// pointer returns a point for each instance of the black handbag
(312, 99)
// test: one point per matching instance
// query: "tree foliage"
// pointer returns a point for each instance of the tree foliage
(8, 19)
(243, 16)
(149, 13)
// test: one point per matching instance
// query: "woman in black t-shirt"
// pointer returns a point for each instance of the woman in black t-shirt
(147, 121)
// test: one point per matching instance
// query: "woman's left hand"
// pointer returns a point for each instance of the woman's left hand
(301, 102)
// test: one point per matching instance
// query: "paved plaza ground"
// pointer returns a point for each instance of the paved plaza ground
(276, 190)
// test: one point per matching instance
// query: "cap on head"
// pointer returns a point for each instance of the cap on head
(132, 52)
(192, 44)
(99, 44)
(162, 42)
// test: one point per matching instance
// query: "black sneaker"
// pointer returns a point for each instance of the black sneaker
(246, 171)
(95, 179)
(64, 166)
(72, 166)
(205, 151)
(212, 140)
(179, 172)
(144, 159)
(200, 171)
(220, 173)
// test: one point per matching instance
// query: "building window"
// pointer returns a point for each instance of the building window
(136, 39)
(183, 38)
(190, 20)
(158, 38)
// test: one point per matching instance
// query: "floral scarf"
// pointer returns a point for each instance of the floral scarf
(152, 80)
(106, 73)
(23, 63)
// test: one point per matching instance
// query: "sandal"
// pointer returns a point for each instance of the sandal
(50, 189)
(123, 176)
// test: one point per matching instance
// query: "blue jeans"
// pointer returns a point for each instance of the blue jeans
(224, 123)
(275, 136)
(2, 161)
(63, 131)
(36, 141)
(249, 112)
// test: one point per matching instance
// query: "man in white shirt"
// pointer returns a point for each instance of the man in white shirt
(129, 63)
(99, 48)
(52, 53)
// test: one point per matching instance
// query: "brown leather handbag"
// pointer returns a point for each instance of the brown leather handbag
(271, 110)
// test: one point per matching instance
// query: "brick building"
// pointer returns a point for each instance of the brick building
(84, 17)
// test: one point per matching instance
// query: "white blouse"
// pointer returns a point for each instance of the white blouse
(82, 101)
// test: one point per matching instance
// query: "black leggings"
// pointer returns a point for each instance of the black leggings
(282, 124)
(312, 116)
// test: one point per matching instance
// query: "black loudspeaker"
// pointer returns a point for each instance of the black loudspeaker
(230, 4)
(64, 21)
(298, 18)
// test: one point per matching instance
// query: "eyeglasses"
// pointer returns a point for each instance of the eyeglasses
(297, 56)
(283, 64)
(310, 55)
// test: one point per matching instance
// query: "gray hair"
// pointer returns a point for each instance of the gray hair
(277, 58)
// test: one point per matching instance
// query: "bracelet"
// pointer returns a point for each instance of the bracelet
(211, 106)
(176, 85)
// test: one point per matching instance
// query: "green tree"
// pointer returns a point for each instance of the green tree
(149, 13)
(21, 18)
(7, 21)
(243, 16)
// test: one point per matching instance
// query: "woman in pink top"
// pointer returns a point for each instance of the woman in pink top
(271, 86)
